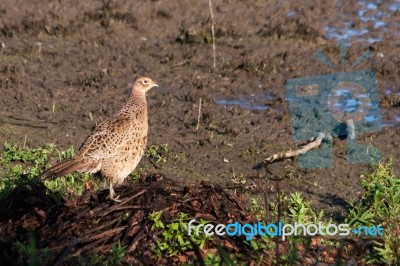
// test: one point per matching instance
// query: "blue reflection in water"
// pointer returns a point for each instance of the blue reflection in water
(370, 11)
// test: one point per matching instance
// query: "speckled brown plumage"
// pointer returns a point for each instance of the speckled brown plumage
(116, 146)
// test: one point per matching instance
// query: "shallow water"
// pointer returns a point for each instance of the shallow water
(376, 12)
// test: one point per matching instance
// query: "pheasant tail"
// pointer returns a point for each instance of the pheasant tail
(65, 167)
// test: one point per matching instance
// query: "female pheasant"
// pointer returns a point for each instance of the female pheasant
(116, 145)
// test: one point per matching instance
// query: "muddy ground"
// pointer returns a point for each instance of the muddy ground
(66, 65)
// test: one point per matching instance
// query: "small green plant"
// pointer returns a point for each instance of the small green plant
(71, 184)
(217, 259)
(157, 152)
(135, 175)
(174, 238)
(299, 210)
(157, 222)
(212, 260)
(262, 246)
(14, 152)
(20, 164)
(380, 205)
(17, 162)
(66, 154)
(118, 252)
(258, 207)
(290, 208)
(294, 208)
(13, 157)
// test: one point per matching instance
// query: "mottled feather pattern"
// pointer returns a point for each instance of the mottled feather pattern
(116, 146)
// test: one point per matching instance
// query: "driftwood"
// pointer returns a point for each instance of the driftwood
(291, 154)
(313, 144)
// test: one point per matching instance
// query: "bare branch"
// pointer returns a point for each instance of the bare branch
(290, 154)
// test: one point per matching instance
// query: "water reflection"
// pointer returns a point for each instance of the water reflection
(370, 11)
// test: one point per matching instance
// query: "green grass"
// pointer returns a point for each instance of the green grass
(118, 252)
(174, 240)
(20, 164)
(174, 237)
(290, 208)
(157, 153)
(380, 205)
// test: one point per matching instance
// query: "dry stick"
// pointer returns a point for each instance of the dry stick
(105, 225)
(87, 247)
(212, 32)
(108, 233)
(114, 207)
(24, 146)
(139, 236)
(198, 115)
(130, 207)
(66, 250)
(290, 154)
(351, 134)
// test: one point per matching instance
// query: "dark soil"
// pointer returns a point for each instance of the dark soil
(65, 66)
(92, 225)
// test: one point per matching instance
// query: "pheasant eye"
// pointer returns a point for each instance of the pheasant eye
(145, 81)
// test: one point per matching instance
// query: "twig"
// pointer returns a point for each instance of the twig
(198, 115)
(87, 247)
(67, 250)
(139, 236)
(312, 145)
(124, 201)
(290, 154)
(106, 234)
(105, 225)
(130, 207)
(153, 164)
(212, 32)
(24, 146)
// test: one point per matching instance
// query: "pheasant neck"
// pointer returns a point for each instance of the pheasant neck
(137, 98)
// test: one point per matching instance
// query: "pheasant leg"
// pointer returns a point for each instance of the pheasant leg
(112, 195)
